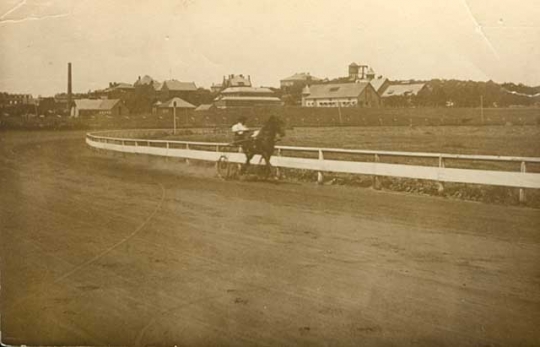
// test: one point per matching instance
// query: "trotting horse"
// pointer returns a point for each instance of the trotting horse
(263, 143)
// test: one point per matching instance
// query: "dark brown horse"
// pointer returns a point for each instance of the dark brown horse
(264, 143)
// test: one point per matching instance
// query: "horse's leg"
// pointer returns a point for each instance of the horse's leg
(268, 166)
(246, 165)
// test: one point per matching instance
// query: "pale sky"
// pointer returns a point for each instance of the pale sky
(202, 40)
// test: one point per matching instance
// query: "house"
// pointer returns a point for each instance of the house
(118, 91)
(360, 94)
(403, 90)
(380, 84)
(147, 82)
(7, 99)
(174, 88)
(204, 107)
(168, 106)
(246, 97)
(232, 81)
(300, 79)
(402, 94)
(216, 88)
(98, 107)
(291, 87)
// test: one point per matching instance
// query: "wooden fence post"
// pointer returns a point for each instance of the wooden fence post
(239, 166)
(522, 197)
(440, 185)
(278, 172)
(376, 180)
(123, 149)
(320, 176)
(148, 156)
(187, 147)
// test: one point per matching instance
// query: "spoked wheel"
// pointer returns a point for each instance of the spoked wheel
(225, 169)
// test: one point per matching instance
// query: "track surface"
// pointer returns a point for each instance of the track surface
(99, 249)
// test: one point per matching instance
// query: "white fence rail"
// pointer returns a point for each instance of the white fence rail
(211, 151)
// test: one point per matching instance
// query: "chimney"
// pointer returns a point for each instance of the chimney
(69, 88)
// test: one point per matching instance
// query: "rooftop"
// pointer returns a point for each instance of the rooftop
(117, 86)
(377, 83)
(96, 104)
(179, 86)
(157, 85)
(180, 103)
(204, 107)
(232, 90)
(403, 89)
(145, 80)
(301, 76)
(239, 80)
(250, 98)
(341, 90)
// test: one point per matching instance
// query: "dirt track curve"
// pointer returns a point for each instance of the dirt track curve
(105, 250)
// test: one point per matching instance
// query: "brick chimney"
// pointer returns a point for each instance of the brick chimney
(69, 92)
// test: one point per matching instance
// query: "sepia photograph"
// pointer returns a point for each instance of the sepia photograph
(269, 173)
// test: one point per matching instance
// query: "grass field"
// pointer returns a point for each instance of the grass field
(487, 140)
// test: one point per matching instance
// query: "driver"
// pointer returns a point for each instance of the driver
(240, 130)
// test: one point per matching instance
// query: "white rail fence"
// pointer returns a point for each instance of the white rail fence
(212, 151)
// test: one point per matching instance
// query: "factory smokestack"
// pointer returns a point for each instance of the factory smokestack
(69, 88)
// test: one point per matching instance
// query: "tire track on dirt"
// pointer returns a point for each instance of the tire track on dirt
(99, 255)
(174, 310)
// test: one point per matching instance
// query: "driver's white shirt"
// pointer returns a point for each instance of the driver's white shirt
(239, 128)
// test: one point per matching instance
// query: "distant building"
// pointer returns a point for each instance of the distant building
(118, 91)
(216, 88)
(9, 100)
(204, 107)
(165, 90)
(291, 87)
(360, 94)
(246, 97)
(380, 84)
(174, 88)
(361, 73)
(99, 107)
(168, 106)
(232, 81)
(146, 80)
(403, 89)
(300, 79)
(61, 101)
(357, 72)
(402, 94)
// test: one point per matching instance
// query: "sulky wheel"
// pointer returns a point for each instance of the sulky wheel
(223, 167)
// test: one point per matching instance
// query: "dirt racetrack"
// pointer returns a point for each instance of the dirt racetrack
(105, 250)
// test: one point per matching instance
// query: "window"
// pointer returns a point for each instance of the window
(334, 89)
